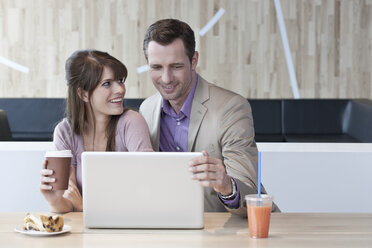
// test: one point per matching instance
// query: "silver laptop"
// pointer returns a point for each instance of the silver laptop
(141, 190)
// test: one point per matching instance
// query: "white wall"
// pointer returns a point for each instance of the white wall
(318, 177)
(20, 164)
(303, 177)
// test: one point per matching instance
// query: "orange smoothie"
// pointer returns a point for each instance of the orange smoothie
(259, 221)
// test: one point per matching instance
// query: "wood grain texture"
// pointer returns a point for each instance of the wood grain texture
(220, 230)
(330, 42)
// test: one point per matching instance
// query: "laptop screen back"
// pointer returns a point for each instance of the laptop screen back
(141, 190)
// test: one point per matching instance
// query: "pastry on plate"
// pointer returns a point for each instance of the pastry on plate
(44, 223)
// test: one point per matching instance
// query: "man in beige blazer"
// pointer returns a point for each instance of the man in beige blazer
(190, 114)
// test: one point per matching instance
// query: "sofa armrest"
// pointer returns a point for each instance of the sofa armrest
(358, 121)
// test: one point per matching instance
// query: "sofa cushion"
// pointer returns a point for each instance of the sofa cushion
(313, 116)
(267, 117)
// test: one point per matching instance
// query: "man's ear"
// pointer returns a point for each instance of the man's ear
(194, 61)
(83, 95)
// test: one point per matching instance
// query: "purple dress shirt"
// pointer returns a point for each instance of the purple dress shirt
(174, 133)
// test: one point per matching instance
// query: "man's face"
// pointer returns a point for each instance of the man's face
(171, 71)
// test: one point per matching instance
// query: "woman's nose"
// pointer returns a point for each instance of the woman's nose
(119, 87)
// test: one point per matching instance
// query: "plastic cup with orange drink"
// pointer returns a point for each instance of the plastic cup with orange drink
(259, 213)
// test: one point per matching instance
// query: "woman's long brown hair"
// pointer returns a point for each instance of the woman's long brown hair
(84, 70)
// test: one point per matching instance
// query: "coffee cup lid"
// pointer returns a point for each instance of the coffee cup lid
(61, 153)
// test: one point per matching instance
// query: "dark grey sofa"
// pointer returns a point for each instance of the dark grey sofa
(282, 120)
(33, 119)
(313, 120)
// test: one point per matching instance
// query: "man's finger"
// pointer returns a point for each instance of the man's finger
(204, 160)
(204, 168)
(211, 176)
(202, 176)
(199, 160)
(205, 183)
(211, 183)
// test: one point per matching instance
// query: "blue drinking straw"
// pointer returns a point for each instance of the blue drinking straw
(259, 174)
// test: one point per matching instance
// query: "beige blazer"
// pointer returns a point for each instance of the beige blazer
(221, 123)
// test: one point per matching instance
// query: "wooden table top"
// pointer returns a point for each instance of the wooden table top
(221, 230)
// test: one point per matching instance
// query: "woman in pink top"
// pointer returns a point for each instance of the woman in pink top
(96, 121)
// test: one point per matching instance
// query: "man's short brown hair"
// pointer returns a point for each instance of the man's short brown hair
(166, 31)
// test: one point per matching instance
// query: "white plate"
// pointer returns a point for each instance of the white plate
(20, 229)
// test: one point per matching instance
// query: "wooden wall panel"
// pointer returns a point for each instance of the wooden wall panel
(330, 41)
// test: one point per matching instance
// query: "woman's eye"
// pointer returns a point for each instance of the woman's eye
(121, 81)
(106, 83)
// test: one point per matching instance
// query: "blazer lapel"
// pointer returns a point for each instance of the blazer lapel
(155, 129)
(198, 111)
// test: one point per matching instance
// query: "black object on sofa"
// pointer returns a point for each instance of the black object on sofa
(5, 133)
(305, 120)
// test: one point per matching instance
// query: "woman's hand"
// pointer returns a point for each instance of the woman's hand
(52, 196)
(73, 195)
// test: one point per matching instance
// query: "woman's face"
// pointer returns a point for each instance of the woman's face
(107, 98)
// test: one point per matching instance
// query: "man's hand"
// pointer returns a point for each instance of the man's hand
(211, 173)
